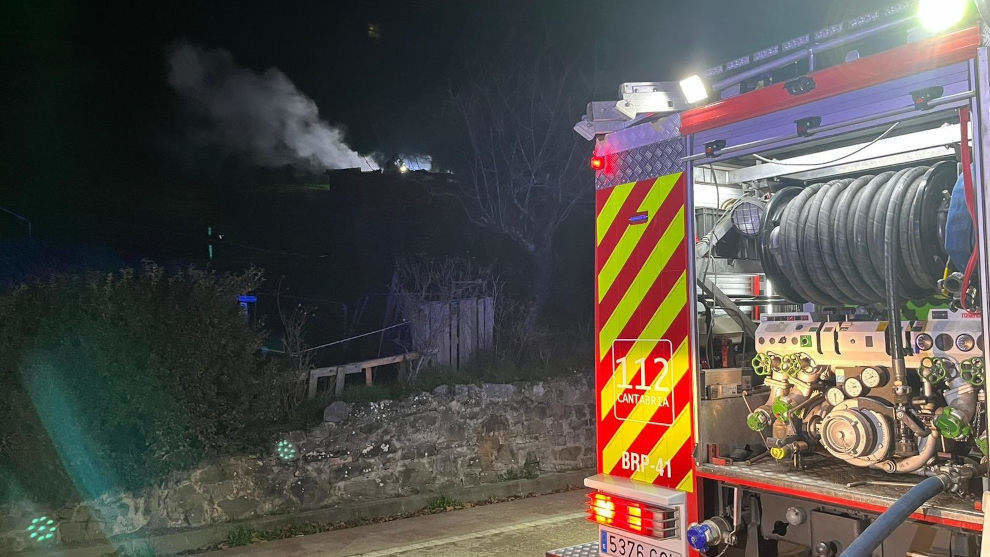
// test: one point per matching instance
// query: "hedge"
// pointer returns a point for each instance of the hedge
(112, 381)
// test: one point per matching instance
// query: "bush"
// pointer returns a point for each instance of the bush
(240, 535)
(442, 503)
(112, 381)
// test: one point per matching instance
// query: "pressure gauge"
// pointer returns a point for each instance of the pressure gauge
(965, 342)
(834, 396)
(853, 387)
(873, 377)
(943, 342)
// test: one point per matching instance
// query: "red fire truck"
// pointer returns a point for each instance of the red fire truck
(789, 258)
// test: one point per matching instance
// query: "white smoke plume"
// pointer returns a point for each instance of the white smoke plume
(260, 115)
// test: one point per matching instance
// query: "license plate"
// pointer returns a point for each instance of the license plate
(621, 545)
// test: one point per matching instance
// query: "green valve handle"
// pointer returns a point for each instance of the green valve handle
(971, 371)
(761, 364)
(933, 370)
(790, 364)
(794, 363)
(758, 421)
(982, 444)
(951, 425)
(780, 409)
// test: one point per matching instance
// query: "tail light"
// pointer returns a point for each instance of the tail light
(601, 508)
(632, 516)
(597, 162)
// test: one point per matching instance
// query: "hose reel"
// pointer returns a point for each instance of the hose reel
(824, 243)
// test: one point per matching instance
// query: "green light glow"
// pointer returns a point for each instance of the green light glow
(41, 529)
(286, 450)
(60, 414)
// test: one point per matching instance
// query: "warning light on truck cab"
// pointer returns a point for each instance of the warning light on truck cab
(597, 162)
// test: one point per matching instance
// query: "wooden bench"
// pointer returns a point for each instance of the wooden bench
(340, 372)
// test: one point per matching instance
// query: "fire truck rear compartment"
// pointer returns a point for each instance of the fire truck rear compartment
(865, 374)
(836, 348)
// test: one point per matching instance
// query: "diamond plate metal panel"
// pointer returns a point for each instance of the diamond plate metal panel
(643, 134)
(584, 550)
(641, 163)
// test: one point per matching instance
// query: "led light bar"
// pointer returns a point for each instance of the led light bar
(899, 9)
(796, 42)
(828, 32)
(769, 52)
(864, 19)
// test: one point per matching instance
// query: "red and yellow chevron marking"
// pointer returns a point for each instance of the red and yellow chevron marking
(644, 372)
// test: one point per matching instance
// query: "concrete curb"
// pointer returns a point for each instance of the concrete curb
(185, 540)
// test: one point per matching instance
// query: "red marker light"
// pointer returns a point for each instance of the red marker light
(597, 162)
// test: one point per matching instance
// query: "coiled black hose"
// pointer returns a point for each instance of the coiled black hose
(818, 267)
(891, 266)
(910, 251)
(888, 231)
(860, 238)
(793, 261)
(830, 237)
(876, 238)
(839, 240)
(768, 253)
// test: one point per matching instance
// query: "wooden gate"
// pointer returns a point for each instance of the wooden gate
(452, 332)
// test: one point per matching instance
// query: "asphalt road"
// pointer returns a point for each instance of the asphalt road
(528, 526)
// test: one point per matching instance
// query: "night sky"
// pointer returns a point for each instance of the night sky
(97, 149)
(89, 120)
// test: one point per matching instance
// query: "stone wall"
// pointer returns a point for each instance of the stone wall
(455, 436)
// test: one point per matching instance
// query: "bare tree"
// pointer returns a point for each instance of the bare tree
(522, 171)
(294, 325)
